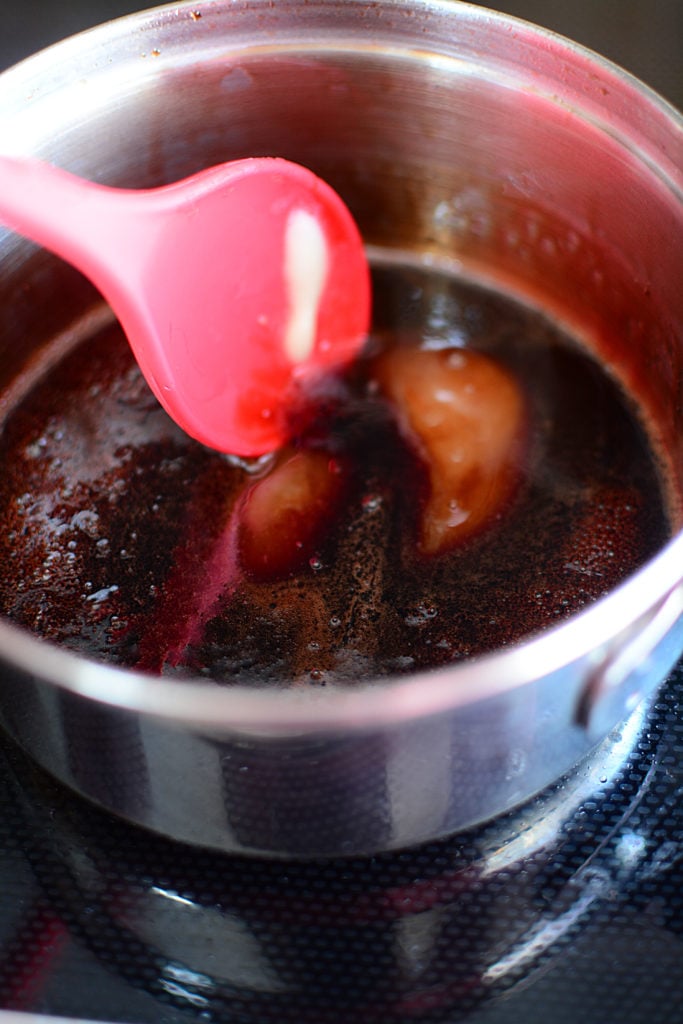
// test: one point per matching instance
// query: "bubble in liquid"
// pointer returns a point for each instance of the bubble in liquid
(87, 522)
(103, 594)
(371, 502)
(421, 615)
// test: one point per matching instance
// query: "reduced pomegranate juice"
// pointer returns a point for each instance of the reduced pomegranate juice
(127, 541)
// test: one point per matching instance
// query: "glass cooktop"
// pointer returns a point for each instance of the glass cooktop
(568, 910)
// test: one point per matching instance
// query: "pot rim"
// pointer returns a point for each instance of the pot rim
(234, 708)
(219, 708)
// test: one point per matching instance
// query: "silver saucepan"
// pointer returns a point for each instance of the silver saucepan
(456, 134)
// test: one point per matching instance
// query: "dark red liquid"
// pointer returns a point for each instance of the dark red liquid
(121, 535)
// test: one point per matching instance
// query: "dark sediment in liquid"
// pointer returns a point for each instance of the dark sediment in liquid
(119, 532)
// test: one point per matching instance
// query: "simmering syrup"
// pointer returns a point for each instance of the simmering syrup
(127, 541)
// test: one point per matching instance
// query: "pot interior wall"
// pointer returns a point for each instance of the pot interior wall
(483, 166)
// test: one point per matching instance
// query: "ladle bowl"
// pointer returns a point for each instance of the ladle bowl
(235, 286)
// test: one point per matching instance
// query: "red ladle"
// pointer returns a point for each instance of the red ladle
(234, 287)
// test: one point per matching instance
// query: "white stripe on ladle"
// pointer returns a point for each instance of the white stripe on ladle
(306, 266)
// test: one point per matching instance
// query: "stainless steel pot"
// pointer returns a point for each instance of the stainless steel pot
(463, 137)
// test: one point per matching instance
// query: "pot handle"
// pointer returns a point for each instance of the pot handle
(629, 658)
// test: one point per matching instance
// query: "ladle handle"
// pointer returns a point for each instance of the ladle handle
(86, 224)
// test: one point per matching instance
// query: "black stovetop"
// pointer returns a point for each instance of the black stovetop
(568, 911)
